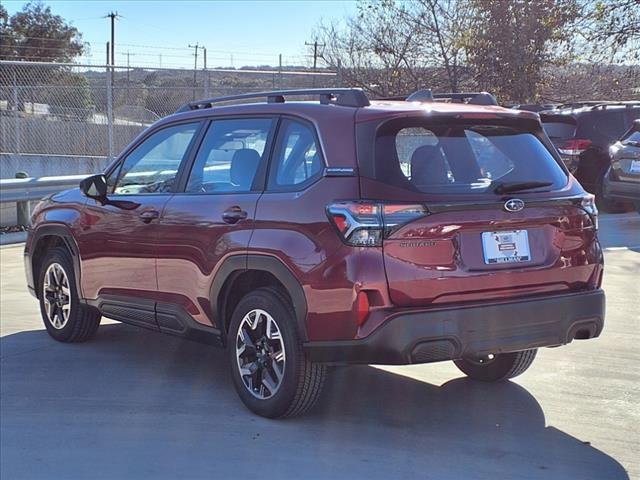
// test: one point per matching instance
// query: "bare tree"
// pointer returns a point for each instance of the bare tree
(391, 48)
(441, 26)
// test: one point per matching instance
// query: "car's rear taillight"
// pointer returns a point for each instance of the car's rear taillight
(365, 224)
(571, 150)
(589, 205)
(575, 146)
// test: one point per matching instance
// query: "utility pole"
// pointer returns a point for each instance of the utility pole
(195, 67)
(315, 46)
(128, 79)
(107, 54)
(280, 70)
(113, 16)
(205, 73)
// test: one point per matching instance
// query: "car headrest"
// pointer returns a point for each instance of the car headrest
(428, 166)
(244, 165)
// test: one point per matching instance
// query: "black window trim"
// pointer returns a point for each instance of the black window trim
(299, 187)
(260, 178)
(117, 165)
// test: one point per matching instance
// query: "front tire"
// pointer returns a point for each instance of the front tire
(64, 317)
(495, 368)
(270, 371)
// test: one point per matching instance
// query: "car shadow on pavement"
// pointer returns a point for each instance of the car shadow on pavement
(166, 407)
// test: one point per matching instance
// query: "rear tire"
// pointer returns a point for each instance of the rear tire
(270, 371)
(502, 366)
(64, 317)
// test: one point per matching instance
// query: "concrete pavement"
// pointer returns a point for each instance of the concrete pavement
(133, 404)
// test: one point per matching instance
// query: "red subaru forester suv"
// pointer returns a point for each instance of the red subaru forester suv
(332, 231)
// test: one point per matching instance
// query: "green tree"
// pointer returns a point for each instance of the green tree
(511, 42)
(36, 34)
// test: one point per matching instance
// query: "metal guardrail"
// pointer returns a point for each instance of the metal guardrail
(32, 188)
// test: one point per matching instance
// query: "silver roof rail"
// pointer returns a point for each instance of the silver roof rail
(345, 97)
(426, 95)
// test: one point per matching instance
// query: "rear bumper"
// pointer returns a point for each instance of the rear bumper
(619, 190)
(448, 334)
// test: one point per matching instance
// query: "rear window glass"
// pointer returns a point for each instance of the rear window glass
(559, 129)
(632, 138)
(459, 159)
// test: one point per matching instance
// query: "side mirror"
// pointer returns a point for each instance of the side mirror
(94, 187)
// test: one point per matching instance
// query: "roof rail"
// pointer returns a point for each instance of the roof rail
(474, 98)
(426, 95)
(421, 96)
(604, 105)
(345, 97)
(582, 104)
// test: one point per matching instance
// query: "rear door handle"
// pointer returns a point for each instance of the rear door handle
(234, 215)
(149, 215)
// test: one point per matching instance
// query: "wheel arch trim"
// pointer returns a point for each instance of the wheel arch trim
(63, 232)
(240, 263)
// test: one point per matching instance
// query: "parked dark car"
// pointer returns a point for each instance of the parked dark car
(583, 136)
(336, 231)
(622, 181)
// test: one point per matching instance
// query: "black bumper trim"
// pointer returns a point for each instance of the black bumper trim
(448, 334)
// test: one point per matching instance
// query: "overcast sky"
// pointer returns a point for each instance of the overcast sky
(238, 33)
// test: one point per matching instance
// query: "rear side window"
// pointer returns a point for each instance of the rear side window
(297, 160)
(610, 124)
(230, 155)
(632, 138)
(460, 158)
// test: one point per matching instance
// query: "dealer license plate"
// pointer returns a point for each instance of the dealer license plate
(506, 247)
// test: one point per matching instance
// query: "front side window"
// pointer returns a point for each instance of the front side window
(297, 159)
(230, 156)
(153, 165)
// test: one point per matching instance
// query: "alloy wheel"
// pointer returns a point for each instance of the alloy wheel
(57, 296)
(260, 354)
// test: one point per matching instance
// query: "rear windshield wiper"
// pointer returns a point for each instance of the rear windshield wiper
(508, 187)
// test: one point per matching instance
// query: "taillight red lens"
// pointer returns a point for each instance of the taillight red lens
(341, 223)
(364, 224)
(574, 146)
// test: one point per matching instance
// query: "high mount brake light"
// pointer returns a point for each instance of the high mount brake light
(366, 224)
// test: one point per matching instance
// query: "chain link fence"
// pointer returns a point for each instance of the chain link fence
(68, 111)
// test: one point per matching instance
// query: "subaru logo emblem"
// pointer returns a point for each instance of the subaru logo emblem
(513, 205)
